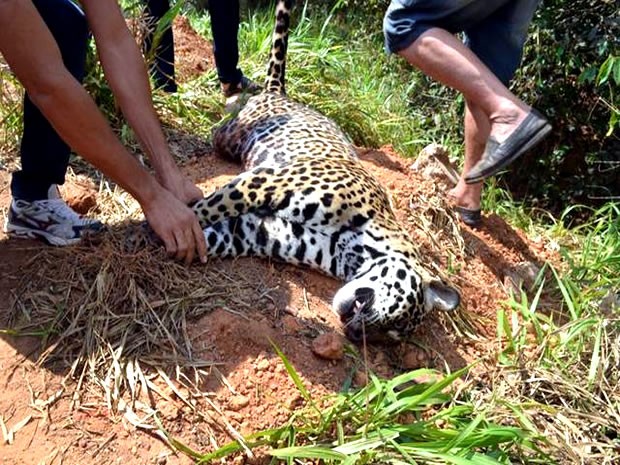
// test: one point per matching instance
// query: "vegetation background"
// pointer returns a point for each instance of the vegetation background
(570, 71)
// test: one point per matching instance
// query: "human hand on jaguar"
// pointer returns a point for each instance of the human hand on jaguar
(176, 225)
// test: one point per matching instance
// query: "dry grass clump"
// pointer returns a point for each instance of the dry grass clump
(115, 320)
(109, 315)
(580, 423)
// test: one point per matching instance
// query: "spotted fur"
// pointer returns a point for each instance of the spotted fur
(306, 200)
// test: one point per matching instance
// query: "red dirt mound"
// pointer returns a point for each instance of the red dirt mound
(250, 387)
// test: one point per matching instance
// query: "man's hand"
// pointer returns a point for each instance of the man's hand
(177, 226)
(180, 186)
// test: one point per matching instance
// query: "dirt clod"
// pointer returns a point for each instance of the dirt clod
(238, 402)
(291, 324)
(80, 194)
(414, 358)
(329, 346)
(433, 162)
(360, 378)
(263, 365)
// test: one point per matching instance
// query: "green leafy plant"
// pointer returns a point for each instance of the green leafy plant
(412, 418)
(609, 74)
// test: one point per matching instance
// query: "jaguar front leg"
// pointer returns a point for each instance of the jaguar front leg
(250, 192)
(335, 253)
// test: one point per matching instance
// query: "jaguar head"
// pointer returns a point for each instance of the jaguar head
(387, 299)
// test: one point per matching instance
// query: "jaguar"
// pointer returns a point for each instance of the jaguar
(305, 199)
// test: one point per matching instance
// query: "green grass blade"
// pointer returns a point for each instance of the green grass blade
(596, 355)
(374, 440)
(308, 452)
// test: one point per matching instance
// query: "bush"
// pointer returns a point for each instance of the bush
(580, 163)
(569, 45)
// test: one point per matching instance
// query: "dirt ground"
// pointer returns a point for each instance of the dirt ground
(248, 385)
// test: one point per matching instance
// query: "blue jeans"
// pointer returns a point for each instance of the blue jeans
(224, 27)
(44, 155)
(495, 30)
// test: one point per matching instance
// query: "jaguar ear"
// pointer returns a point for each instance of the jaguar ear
(440, 296)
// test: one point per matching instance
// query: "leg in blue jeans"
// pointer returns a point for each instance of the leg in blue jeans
(162, 67)
(44, 155)
(225, 26)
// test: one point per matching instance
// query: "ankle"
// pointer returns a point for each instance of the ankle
(466, 195)
(508, 112)
(506, 119)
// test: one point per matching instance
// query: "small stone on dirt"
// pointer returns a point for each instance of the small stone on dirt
(433, 162)
(293, 402)
(291, 311)
(360, 378)
(161, 459)
(262, 365)
(238, 402)
(291, 324)
(239, 460)
(329, 346)
(427, 378)
(521, 276)
(169, 410)
(611, 302)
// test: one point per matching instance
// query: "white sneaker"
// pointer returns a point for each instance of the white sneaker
(50, 219)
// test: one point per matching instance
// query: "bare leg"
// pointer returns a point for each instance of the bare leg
(477, 131)
(445, 58)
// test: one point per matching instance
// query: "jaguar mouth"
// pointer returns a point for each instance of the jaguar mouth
(360, 303)
(355, 311)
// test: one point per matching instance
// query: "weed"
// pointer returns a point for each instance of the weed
(413, 418)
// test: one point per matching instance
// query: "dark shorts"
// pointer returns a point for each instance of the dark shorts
(495, 30)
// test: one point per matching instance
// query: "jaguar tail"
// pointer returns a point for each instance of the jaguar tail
(277, 58)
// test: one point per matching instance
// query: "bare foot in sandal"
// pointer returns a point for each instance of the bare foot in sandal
(465, 199)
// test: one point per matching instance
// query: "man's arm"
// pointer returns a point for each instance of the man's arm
(126, 73)
(31, 52)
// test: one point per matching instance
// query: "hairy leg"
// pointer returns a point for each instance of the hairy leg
(477, 131)
(445, 58)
